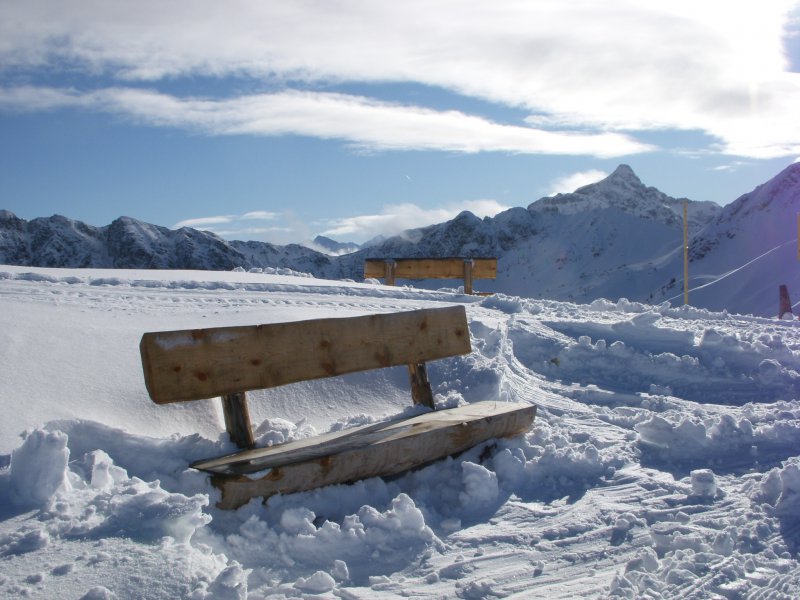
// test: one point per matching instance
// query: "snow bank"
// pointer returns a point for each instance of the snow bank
(92, 496)
(762, 433)
(39, 469)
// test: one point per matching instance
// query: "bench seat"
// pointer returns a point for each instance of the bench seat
(384, 449)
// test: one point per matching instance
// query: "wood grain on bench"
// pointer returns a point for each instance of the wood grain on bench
(432, 268)
(205, 363)
(467, 269)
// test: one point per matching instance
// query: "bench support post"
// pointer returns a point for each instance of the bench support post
(237, 419)
(468, 264)
(390, 271)
(421, 391)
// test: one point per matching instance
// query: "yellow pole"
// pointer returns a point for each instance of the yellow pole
(686, 253)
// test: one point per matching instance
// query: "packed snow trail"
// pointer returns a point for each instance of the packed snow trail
(663, 461)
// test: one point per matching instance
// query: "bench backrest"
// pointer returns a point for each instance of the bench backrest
(205, 363)
(431, 268)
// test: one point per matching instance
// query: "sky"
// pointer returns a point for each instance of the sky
(280, 121)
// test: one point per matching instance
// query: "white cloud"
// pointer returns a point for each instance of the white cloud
(204, 221)
(616, 66)
(570, 183)
(260, 215)
(732, 166)
(364, 122)
(396, 218)
(208, 223)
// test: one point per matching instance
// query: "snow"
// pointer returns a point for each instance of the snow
(664, 460)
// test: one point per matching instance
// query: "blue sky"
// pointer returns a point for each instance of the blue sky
(279, 121)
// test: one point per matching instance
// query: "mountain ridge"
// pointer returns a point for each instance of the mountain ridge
(613, 238)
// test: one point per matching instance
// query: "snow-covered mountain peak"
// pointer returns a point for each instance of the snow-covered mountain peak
(623, 190)
(624, 171)
(621, 179)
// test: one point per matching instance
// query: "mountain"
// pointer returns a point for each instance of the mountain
(132, 244)
(623, 190)
(608, 239)
(611, 239)
(332, 247)
(620, 238)
(292, 256)
(752, 244)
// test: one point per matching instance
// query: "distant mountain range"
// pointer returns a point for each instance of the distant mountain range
(611, 239)
(329, 246)
(131, 244)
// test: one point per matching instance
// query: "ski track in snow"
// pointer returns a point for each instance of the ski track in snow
(717, 278)
(663, 461)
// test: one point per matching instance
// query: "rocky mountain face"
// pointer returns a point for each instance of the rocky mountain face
(614, 238)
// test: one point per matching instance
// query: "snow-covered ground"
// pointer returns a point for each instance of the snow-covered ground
(664, 461)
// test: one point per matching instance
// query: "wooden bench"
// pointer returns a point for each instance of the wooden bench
(227, 362)
(467, 269)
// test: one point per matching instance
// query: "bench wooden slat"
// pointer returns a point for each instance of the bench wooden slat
(384, 449)
(205, 363)
(432, 268)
